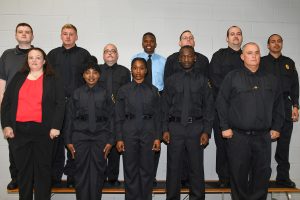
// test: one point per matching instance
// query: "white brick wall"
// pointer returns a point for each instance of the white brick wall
(123, 22)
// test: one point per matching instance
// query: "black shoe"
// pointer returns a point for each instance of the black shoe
(113, 183)
(224, 184)
(13, 184)
(185, 183)
(56, 183)
(286, 183)
(70, 182)
(155, 183)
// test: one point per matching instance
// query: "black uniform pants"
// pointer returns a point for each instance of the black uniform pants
(222, 168)
(32, 151)
(249, 155)
(12, 165)
(181, 138)
(90, 166)
(282, 151)
(113, 163)
(138, 167)
(58, 158)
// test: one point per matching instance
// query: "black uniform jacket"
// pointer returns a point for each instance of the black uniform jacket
(250, 101)
(202, 105)
(53, 102)
(222, 62)
(284, 69)
(77, 115)
(126, 110)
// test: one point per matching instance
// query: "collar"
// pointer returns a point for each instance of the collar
(69, 50)
(92, 89)
(19, 51)
(106, 66)
(234, 51)
(273, 58)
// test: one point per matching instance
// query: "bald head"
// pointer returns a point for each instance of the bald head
(110, 54)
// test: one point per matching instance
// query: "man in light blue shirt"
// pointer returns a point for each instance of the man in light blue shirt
(155, 75)
(157, 61)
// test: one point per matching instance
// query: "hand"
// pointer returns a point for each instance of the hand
(227, 133)
(8, 132)
(72, 150)
(166, 137)
(204, 139)
(106, 150)
(54, 133)
(274, 134)
(295, 114)
(156, 145)
(120, 146)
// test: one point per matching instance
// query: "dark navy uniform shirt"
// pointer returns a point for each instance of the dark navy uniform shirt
(250, 101)
(223, 61)
(200, 102)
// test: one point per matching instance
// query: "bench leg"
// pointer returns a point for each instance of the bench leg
(289, 196)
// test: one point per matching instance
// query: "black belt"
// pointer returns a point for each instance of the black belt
(132, 116)
(178, 119)
(251, 132)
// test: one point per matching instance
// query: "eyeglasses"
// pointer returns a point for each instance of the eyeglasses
(107, 51)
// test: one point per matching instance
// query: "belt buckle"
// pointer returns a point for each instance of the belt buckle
(189, 120)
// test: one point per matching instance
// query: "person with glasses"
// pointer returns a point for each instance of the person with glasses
(113, 77)
(172, 64)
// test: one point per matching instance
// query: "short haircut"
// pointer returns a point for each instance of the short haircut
(91, 65)
(139, 59)
(249, 43)
(272, 36)
(150, 34)
(24, 24)
(186, 31)
(47, 68)
(69, 26)
(227, 34)
(187, 47)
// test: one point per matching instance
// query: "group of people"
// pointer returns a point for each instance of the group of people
(66, 100)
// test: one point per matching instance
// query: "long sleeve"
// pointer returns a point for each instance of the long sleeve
(278, 110)
(119, 114)
(222, 103)
(157, 115)
(208, 108)
(58, 116)
(295, 87)
(69, 118)
(166, 103)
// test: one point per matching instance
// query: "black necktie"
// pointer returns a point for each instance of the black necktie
(110, 81)
(139, 106)
(186, 99)
(149, 70)
(91, 110)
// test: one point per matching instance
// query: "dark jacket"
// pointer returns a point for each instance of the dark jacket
(53, 102)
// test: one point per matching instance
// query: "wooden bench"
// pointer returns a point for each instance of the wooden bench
(211, 187)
